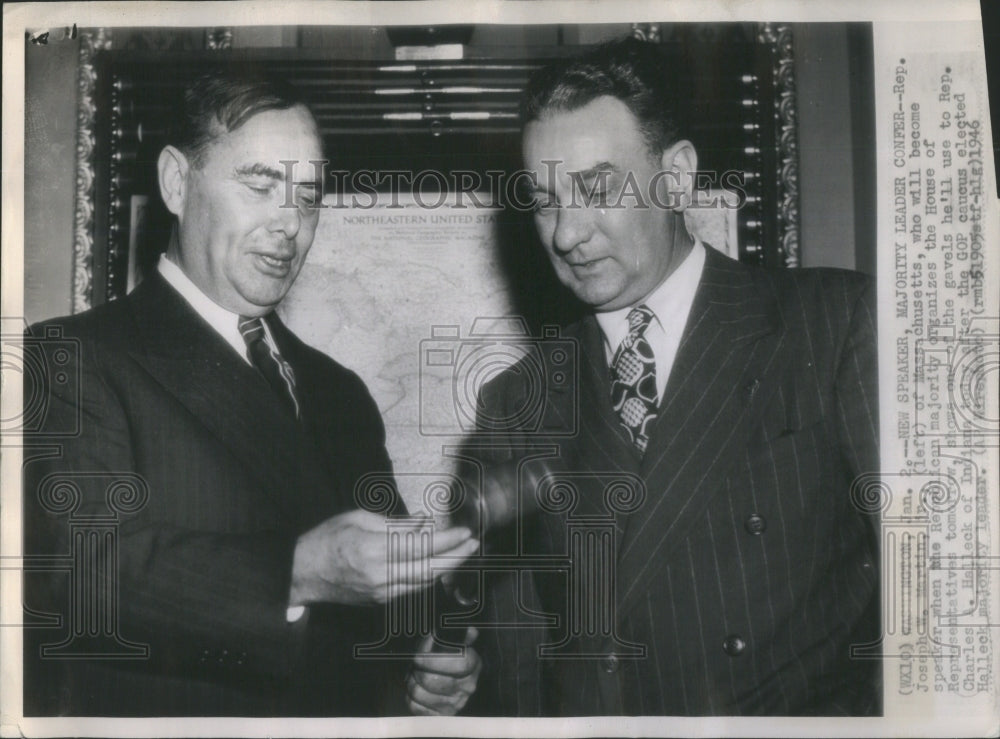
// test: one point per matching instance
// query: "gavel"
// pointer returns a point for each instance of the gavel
(493, 500)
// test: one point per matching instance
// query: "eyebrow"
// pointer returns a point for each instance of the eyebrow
(584, 175)
(600, 167)
(259, 169)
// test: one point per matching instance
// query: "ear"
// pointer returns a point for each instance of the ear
(681, 160)
(172, 169)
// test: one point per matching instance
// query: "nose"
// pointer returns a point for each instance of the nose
(287, 220)
(574, 225)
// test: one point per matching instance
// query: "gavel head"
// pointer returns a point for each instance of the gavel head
(497, 493)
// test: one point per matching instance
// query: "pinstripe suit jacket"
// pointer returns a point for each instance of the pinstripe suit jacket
(204, 566)
(744, 576)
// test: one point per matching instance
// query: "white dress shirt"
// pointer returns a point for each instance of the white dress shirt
(224, 321)
(226, 324)
(671, 305)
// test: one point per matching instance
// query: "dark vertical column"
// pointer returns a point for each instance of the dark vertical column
(862, 92)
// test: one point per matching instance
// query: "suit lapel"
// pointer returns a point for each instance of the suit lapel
(726, 368)
(233, 401)
(603, 449)
(324, 433)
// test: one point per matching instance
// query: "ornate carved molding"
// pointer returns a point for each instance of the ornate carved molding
(786, 113)
(91, 41)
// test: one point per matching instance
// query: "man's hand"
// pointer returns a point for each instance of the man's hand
(346, 560)
(440, 685)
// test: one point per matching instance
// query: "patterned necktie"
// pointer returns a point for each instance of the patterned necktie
(633, 379)
(269, 362)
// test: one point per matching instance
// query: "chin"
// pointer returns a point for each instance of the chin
(599, 299)
(268, 292)
(264, 302)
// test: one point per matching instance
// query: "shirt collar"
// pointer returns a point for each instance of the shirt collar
(225, 322)
(670, 301)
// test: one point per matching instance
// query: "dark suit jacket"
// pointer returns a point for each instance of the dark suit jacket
(204, 564)
(746, 573)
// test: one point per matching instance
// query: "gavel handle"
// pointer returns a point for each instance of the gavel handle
(495, 503)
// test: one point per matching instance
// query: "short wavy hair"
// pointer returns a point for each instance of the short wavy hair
(638, 73)
(221, 100)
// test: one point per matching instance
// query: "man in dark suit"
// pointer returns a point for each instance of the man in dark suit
(699, 499)
(234, 573)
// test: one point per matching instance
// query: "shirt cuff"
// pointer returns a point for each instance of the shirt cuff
(294, 613)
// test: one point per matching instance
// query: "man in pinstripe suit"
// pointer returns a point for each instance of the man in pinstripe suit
(740, 402)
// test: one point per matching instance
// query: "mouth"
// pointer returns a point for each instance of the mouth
(273, 265)
(585, 265)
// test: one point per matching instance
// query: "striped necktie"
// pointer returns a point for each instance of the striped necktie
(269, 362)
(633, 379)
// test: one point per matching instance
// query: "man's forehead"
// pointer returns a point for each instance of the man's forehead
(582, 157)
(269, 137)
(603, 130)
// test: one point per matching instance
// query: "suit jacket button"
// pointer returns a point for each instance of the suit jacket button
(611, 664)
(755, 524)
(751, 387)
(734, 645)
